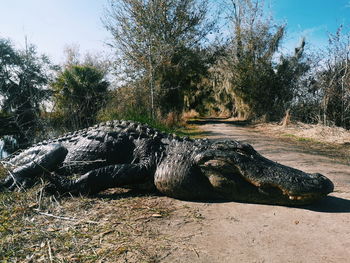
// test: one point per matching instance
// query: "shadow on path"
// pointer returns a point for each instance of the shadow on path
(218, 121)
(331, 204)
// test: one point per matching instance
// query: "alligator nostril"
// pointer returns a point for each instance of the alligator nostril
(326, 185)
(329, 186)
(316, 175)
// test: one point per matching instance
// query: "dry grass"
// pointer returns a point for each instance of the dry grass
(188, 115)
(117, 226)
(331, 141)
(172, 120)
(318, 133)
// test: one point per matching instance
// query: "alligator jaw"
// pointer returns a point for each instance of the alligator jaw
(263, 181)
(299, 198)
(297, 188)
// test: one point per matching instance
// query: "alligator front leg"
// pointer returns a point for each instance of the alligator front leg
(103, 178)
(24, 168)
(139, 171)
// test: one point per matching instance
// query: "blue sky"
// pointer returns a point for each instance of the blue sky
(312, 19)
(52, 24)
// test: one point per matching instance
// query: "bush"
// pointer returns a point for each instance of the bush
(131, 103)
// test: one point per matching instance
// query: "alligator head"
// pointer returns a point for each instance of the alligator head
(238, 172)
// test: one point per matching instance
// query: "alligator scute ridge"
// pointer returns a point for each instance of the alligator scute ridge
(130, 154)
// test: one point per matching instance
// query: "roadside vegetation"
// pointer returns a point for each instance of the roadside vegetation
(332, 142)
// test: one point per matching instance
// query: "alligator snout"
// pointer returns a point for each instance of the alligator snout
(240, 173)
(326, 185)
(290, 186)
(313, 186)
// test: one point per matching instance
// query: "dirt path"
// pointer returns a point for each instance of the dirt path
(238, 232)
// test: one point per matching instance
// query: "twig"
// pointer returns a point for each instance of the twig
(40, 195)
(20, 188)
(54, 199)
(64, 218)
(195, 252)
(49, 248)
(59, 217)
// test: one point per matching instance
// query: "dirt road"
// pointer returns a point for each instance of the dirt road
(238, 232)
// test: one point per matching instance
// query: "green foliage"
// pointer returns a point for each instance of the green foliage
(80, 91)
(158, 44)
(135, 115)
(179, 85)
(24, 76)
(121, 106)
(258, 83)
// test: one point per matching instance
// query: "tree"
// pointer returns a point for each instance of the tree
(73, 57)
(333, 80)
(24, 76)
(259, 83)
(80, 91)
(154, 40)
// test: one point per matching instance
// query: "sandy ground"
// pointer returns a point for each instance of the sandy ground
(239, 232)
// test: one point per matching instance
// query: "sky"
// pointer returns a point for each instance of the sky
(53, 24)
(312, 19)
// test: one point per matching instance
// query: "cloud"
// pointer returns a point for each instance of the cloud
(311, 31)
(316, 38)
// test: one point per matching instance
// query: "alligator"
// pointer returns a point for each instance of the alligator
(128, 154)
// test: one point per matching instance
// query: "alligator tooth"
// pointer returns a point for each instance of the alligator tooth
(296, 197)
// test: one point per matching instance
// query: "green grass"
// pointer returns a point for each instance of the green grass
(145, 118)
(180, 129)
